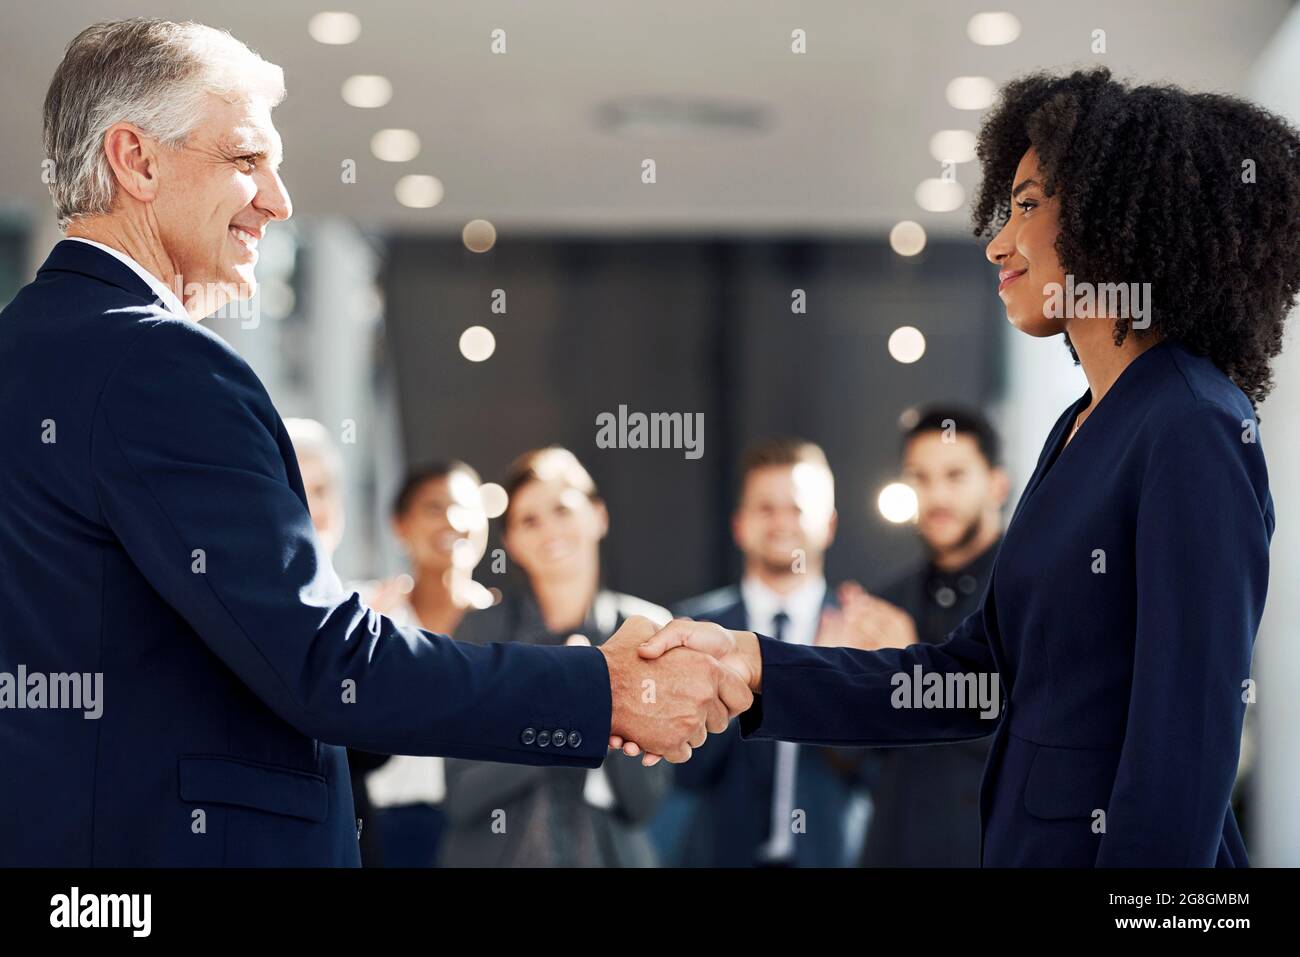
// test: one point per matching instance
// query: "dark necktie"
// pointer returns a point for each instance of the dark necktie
(780, 846)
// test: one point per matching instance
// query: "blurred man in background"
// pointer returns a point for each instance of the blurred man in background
(765, 803)
(321, 466)
(925, 800)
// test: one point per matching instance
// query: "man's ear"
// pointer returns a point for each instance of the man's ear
(1001, 486)
(132, 157)
(602, 515)
(832, 526)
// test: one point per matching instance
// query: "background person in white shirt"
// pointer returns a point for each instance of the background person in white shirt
(772, 803)
(406, 792)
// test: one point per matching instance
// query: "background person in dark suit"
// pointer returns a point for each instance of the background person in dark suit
(154, 528)
(503, 816)
(746, 794)
(925, 800)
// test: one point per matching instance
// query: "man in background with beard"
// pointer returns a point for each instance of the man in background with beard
(926, 799)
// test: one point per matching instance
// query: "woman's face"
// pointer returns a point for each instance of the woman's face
(553, 530)
(442, 513)
(1025, 252)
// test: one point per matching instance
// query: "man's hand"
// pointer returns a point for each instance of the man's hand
(734, 651)
(668, 703)
(865, 622)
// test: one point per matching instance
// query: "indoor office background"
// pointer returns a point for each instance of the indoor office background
(775, 172)
(690, 326)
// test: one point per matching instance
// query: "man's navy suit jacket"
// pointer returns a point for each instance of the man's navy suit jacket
(154, 529)
(1119, 617)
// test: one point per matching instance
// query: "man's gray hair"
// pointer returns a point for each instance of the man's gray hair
(154, 74)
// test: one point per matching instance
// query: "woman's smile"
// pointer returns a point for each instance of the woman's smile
(1007, 276)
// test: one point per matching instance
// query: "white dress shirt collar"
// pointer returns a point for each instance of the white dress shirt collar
(803, 607)
(171, 302)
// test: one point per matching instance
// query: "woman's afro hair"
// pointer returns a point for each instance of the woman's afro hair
(1197, 194)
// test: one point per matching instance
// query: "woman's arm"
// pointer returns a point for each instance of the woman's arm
(1203, 528)
(844, 696)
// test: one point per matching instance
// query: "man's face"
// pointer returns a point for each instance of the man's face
(217, 193)
(784, 509)
(955, 488)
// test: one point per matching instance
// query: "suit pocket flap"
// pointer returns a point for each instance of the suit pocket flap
(275, 790)
(1069, 782)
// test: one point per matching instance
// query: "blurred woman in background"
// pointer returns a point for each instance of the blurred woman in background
(503, 815)
(439, 520)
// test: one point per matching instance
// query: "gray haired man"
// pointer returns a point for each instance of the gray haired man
(154, 525)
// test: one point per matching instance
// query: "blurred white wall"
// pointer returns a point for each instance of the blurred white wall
(313, 341)
(1275, 83)
(1042, 380)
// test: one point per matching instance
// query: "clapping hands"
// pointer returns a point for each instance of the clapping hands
(865, 622)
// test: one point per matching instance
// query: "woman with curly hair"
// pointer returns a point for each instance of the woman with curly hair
(1122, 609)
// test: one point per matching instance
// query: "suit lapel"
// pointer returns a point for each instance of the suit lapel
(68, 255)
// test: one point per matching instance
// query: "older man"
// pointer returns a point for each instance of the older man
(154, 528)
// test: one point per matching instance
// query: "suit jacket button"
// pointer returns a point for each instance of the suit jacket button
(557, 738)
(543, 739)
(575, 739)
(529, 736)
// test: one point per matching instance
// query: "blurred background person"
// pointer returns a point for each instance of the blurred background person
(321, 467)
(513, 816)
(439, 520)
(765, 803)
(401, 826)
(925, 800)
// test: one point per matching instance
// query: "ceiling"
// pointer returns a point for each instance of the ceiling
(843, 131)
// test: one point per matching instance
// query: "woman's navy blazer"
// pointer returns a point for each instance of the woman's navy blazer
(1119, 617)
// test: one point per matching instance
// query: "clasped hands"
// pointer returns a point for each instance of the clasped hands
(671, 687)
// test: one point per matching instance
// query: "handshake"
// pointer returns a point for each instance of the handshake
(671, 687)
